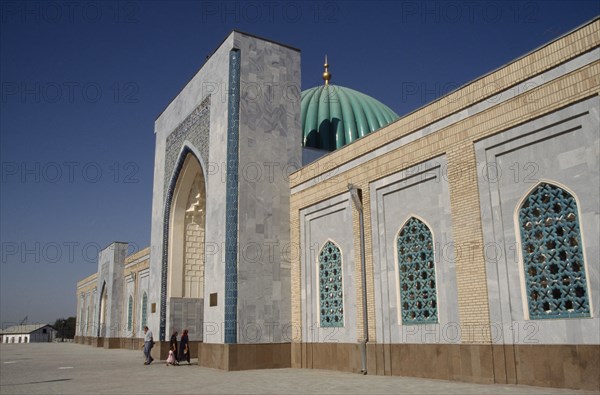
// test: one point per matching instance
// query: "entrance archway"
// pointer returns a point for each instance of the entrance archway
(185, 290)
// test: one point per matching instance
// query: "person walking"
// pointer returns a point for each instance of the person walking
(173, 347)
(148, 344)
(184, 348)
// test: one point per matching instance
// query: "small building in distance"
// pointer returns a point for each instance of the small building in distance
(35, 333)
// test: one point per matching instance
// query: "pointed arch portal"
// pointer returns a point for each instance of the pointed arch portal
(184, 249)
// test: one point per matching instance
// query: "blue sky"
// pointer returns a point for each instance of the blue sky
(82, 83)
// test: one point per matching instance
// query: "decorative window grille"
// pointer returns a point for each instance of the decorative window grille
(130, 314)
(331, 289)
(144, 309)
(553, 254)
(416, 265)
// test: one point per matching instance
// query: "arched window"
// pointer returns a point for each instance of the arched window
(89, 318)
(130, 314)
(80, 322)
(553, 254)
(144, 309)
(331, 288)
(418, 298)
(94, 313)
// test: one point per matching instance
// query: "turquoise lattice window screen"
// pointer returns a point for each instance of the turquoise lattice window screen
(418, 297)
(553, 254)
(144, 309)
(130, 314)
(331, 289)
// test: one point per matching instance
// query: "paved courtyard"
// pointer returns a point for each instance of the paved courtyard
(66, 368)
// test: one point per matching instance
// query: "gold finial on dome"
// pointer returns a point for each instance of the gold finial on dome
(326, 73)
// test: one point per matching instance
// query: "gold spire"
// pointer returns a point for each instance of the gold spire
(326, 74)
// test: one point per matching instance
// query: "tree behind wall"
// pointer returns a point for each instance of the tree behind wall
(65, 327)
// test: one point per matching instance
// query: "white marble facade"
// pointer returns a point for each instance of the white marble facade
(269, 149)
(561, 148)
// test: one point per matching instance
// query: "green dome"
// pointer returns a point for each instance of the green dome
(333, 116)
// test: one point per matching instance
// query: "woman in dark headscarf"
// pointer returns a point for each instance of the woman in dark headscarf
(184, 349)
(173, 347)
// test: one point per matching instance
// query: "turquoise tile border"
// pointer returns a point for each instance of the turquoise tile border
(231, 202)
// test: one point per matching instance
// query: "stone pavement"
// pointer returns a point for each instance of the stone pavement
(67, 368)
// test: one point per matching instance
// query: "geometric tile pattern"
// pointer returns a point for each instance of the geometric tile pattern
(553, 254)
(417, 274)
(331, 287)
(195, 128)
(231, 200)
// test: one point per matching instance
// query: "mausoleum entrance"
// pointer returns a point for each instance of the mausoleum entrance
(185, 288)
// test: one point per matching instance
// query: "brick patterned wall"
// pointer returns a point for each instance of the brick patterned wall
(357, 271)
(296, 288)
(137, 255)
(545, 58)
(456, 141)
